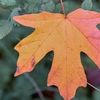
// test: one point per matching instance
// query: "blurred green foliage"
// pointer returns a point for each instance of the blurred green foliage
(8, 2)
(20, 88)
(87, 5)
(4, 29)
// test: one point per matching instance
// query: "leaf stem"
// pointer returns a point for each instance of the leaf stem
(15, 37)
(35, 85)
(63, 8)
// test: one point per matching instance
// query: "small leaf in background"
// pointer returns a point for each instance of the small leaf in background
(48, 6)
(32, 2)
(25, 6)
(30, 6)
(15, 13)
(59, 7)
(45, 1)
(86, 5)
(32, 9)
(5, 28)
(8, 2)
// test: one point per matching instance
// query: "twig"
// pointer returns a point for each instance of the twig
(15, 37)
(49, 59)
(35, 85)
(93, 86)
(43, 89)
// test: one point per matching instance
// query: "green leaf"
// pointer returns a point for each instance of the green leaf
(49, 6)
(5, 28)
(44, 1)
(32, 1)
(32, 9)
(30, 6)
(8, 2)
(15, 13)
(59, 7)
(86, 5)
(25, 5)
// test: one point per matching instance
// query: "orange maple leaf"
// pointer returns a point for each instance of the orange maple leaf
(67, 37)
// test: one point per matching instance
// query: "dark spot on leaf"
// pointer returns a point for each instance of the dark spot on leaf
(20, 45)
(33, 62)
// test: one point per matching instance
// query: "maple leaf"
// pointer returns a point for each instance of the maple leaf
(67, 37)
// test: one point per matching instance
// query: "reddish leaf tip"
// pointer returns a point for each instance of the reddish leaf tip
(17, 70)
